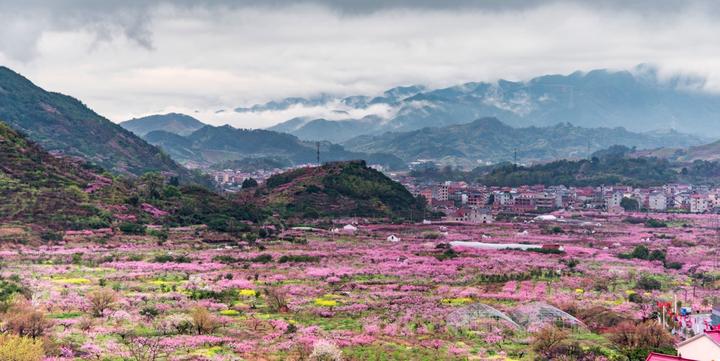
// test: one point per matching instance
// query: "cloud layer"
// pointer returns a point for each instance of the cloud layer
(131, 58)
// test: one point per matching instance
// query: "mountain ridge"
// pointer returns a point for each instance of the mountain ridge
(490, 140)
(177, 123)
(64, 124)
(640, 99)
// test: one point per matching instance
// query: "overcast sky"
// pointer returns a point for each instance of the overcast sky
(129, 58)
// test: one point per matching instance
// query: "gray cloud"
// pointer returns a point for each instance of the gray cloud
(129, 58)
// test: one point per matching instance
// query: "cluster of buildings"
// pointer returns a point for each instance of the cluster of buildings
(466, 202)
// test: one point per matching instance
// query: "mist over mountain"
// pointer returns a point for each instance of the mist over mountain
(640, 100)
(172, 122)
(488, 140)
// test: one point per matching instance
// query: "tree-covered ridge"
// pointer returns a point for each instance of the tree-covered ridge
(62, 123)
(489, 139)
(211, 145)
(613, 166)
(336, 189)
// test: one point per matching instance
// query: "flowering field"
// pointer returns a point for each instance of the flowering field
(320, 295)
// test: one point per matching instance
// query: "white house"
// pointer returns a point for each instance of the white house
(702, 347)
(613, 200)
(657, 201)
(699, 204)
(393, 238)
(480, 215)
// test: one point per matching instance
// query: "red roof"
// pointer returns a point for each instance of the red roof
(662, 357)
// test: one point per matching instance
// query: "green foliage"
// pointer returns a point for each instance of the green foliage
(629, 204)
(298, 258)
(249, 183)
(132, 228)
(649, 283)
(654, 223)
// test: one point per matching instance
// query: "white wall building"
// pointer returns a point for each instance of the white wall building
(698, 204)
(703, 347)
(657, 201)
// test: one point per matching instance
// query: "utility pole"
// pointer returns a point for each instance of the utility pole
(515, 157)
(317, 144)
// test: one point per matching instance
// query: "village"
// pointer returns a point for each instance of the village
(461, 201)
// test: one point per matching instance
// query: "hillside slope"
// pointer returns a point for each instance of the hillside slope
(337, 189)
(44, 191)
(172, 122)
(62, 123)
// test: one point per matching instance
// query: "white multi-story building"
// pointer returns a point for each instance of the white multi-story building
(613, 200)
(657, 201)
(699, 204)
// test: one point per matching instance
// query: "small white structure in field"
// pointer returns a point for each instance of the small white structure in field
(546, 218)
(349, 229)
(393, 238)
(523, 233)
(425, 221)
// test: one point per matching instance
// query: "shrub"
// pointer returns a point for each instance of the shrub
(101, 300)
(203, 321)
(649, 283)
(149, 312)
(325, 351)
(298, 258)
(275, 300)
(263, 258)
(649, 336)
(132, 228)
(547, 340)
(249, 183)
(24, 320)
(19, 348)
(654, 223)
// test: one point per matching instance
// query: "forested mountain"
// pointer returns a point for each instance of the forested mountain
(336, 189)
(210, 145)
(62, 123)
(173, 122)
(640, 100)
(490, 140)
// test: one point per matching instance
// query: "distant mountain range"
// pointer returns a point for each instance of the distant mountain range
(173, 122)
(710, 152)
(211, 145)
(488, 140)
(63, 124)
(640, 100)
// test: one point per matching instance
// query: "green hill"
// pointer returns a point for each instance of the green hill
(337, 189)
(62, 123)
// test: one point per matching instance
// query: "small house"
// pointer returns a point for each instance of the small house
(393, 238)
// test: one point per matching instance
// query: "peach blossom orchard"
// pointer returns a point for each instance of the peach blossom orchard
(359, 294)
